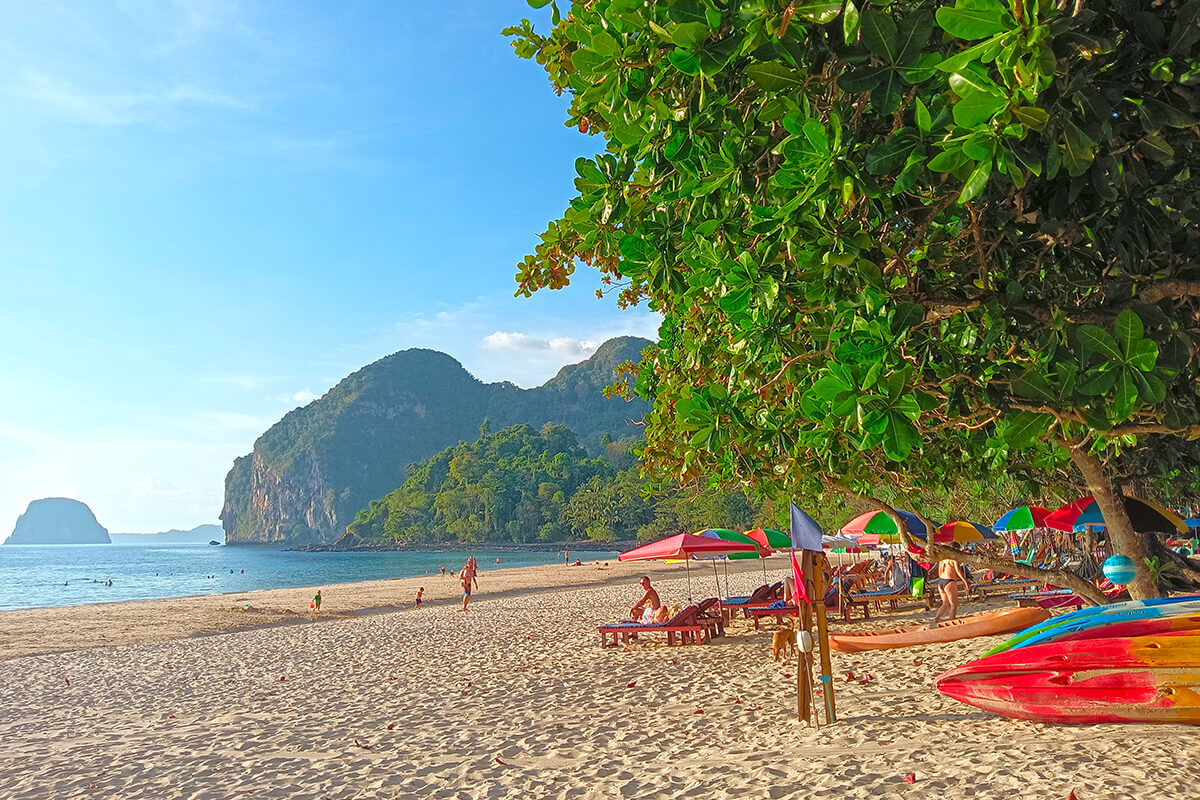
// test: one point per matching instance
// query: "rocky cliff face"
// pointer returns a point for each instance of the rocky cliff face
(317, 467)
(58, 520)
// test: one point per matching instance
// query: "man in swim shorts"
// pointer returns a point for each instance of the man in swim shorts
(465, 578)
(949, 575)
(648, 602)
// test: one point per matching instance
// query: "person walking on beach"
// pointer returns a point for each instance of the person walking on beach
(949, 575)
(420, 592)
(316, 603)
(465, 577)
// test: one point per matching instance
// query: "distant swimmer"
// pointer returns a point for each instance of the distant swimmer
(109, 582)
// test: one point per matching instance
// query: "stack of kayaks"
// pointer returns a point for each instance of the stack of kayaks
(1012, 619)
(1127, 662)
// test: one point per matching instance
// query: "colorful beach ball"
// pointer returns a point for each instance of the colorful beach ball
(1119, 569)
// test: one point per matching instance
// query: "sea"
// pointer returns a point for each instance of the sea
(46, 576)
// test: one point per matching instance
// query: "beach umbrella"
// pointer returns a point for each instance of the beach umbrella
(877, 522)
(963, 532)
(1022, 518)
(684, 546)
(729, 536)
(1063, 519)
(1145, 516)
(769, 539)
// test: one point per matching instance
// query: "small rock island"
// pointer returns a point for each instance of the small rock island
(58, 520)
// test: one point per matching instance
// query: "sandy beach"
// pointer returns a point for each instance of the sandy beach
(204, 698)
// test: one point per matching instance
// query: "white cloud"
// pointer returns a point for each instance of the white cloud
(560, 345)
(152, 485)
(121, 108)
(304, 396)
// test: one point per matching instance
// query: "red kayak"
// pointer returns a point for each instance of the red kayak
(1140, 679)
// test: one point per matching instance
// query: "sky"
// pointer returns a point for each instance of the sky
(213, 210)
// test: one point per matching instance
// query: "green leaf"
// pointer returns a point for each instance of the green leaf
(1129, 330)
(685, 62)
(1126, 396)
(851, 22)
(983, 52)
(819, 11)
(1094, 339)
(829, 387)
(879, 35)
(900, 437)
(1150, 388)
(538, 3)
(1078, 150)
(1026, 428)
(907, 315)
(1143, 355)
(774, 77)
(1031, 116)
(889, 155)
(977, 180)
(1097, 382)
(948, 160)
(912, 34)
(604, 44)
(1033, 384)
(974, 19)
(587, 61)
(689, 35)
(635, 248)
(1156, 148)
(870, 273)
(921, 112)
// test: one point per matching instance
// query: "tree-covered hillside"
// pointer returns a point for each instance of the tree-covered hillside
(521, 485)
(314, 469)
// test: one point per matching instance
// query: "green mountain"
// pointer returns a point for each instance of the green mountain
(512, 485)
(311, 472)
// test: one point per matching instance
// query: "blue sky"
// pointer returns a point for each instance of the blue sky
(213, 210)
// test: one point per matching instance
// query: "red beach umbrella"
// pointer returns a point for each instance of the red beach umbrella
(684, 546)
(1063, 519)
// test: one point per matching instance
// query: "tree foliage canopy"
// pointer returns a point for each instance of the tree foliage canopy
(891, 240)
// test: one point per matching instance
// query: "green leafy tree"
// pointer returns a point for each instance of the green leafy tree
(907, 242)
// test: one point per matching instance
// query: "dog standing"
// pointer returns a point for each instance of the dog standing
(783, 643)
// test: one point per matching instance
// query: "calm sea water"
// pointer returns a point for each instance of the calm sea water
(65, 575)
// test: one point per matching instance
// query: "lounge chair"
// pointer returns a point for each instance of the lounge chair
(710, 613)
(759, 597)
(1006, 586)
(686, 623)
(777, 609)
(883, 595)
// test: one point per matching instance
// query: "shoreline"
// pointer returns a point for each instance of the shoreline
(133, 622)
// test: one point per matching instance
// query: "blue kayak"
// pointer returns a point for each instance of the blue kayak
(1095, 616)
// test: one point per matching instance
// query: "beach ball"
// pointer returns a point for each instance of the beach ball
(1119, 569)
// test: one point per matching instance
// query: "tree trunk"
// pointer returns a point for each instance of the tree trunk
(1124, 539)
(936, 552)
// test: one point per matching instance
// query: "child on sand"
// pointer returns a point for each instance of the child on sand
(316, 603)
(420, 592)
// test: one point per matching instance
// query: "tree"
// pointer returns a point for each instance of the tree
(905, 243)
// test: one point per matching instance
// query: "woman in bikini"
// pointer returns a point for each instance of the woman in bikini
(949, 575)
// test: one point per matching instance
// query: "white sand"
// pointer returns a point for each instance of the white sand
(512, 699)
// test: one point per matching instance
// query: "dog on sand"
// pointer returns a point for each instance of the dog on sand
(783, 643)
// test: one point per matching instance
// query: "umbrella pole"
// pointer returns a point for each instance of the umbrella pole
(717, 578)
(725, 566)
(688, 564)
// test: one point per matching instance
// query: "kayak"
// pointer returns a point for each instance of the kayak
(1138, 679)
(1005, 621)
(1153, 626)
(1099, 616)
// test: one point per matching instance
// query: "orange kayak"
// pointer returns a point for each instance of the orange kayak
(1006, 621)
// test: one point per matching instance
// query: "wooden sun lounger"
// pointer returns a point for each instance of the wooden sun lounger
(761, 596)
(880, 596)
(686, 623)
(758, 612)
(710, 613)
(986, 590)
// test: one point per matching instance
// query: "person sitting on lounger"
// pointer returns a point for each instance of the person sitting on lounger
(649, 601)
